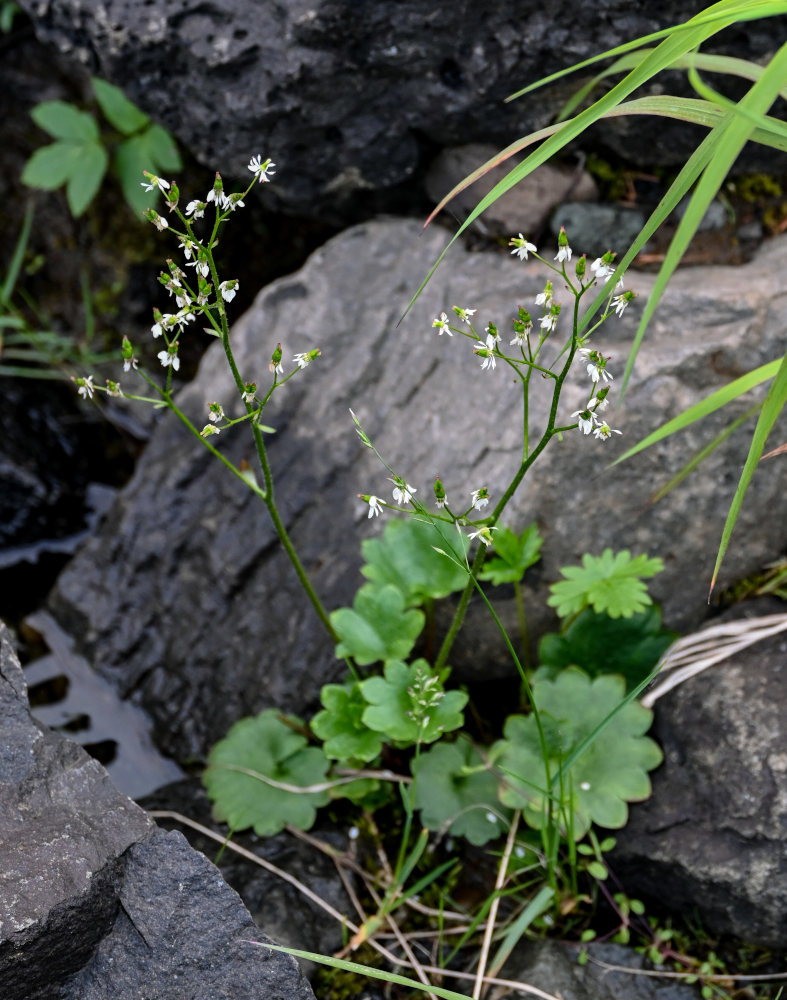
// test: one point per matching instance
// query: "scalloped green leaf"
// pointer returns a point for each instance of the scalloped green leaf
(267, 746)
(405, 557)
(340, 726)
(514, 554)
(599, 645)
(611, 772)
(610, 583)
(63, 121)
(408, 704)
(453, 788)
(377, 627)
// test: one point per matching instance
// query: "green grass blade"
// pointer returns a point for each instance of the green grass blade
(741, 10)
(658, 59)
(706, 406)
(728, 141)
(714, 97)
(9, 283)
(365, 970)
(702, 454)
(539, 904)
(771, 408)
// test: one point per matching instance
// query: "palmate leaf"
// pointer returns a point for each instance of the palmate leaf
(377, 627)
(405, 557)
(452, 786)
(268, 747)
(340, 725)
(117, 108)
(394, 710)
(612, 771)
(609, 583)
(514, 554)
(63, 121)
(599, 645)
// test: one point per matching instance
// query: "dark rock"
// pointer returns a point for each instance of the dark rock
(184, 597)
(553, 967)
(95, 902)
(712, 839)
(286, 912)
(348, 96)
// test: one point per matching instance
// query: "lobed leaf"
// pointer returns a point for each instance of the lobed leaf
(514, 554)
(268, 747)
(340, 726)
(394, 712)
(405, 557)
(117, 108)
(377, 627)
(609, 583)
(454, 789)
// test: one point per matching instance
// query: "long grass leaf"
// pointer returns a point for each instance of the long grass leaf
(537, 905)
(705, 406)
(729, 139)
(702, 454)
(17, 257)
(771, 408)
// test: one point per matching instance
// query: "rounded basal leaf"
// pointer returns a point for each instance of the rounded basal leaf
(267, 747)
(409, 705)
(340, 726)
(91, 165)
(599, 644)
(63, 121)
(377, 627)
(609, 583)
(513, 554)
(453, 788)
(612, 771)
(405, 556)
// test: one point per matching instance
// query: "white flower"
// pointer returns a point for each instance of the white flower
(155, 183)
(113, 388)
(604, 431)
(301, 360)
(375, 507)
(563, 253)
(586, 420)
(619, 302)
(464, 314)
(600, 402)
(548, 322)
(170, 357)
(403, 492)
(159, 221)
(521, 246)
(480, 498)
(196, 208)
(250, 391)
(442, 325)
(263, 171)
(483, 535)
(545, 298)
(86, 388)
(597, 365)
(492, 334)
(202, 266)
(602, 269)
(129, 363)
(229, 289)
(209, 429)
(216, 412)
(487, 353)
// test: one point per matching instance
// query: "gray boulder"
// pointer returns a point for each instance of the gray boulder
(183, 596)
(712, 839)
(95, 901)
(351, 96)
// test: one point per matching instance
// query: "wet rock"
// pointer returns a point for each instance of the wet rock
(184, 597)
(95, 902)
(598, 228)
(350, 96)
(712, 839)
